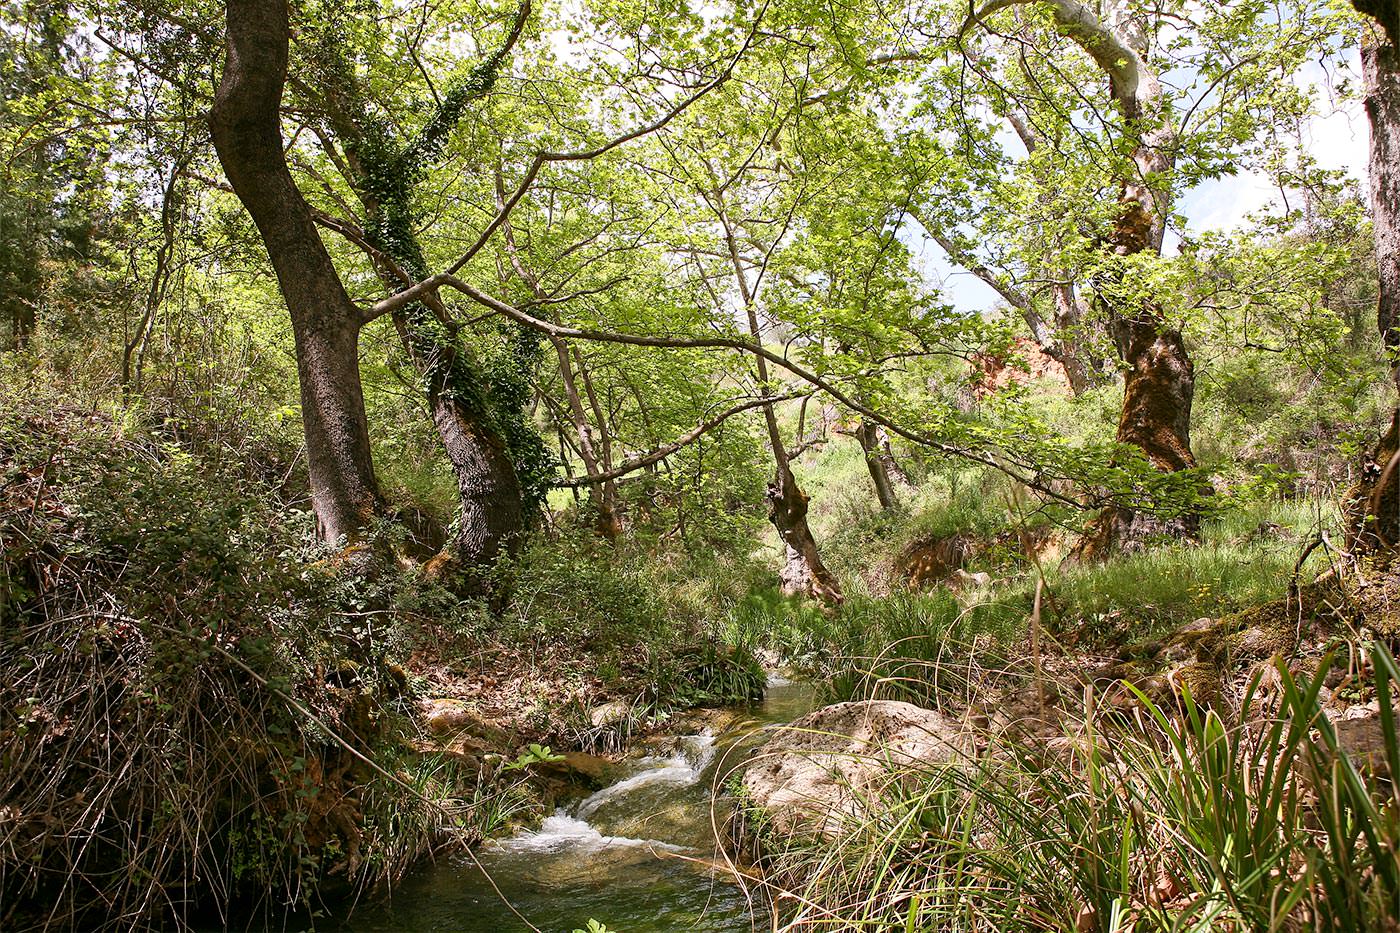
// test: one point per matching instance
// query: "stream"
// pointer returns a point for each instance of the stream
(635, 855)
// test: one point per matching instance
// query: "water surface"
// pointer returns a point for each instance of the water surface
(639, 855)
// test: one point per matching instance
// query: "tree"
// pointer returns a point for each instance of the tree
(1155, 141)
(481, 423)
(1374, 505)
(245, 123)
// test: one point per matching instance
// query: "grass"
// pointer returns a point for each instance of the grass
(886, 646)
(1158, 819)
(196, 715)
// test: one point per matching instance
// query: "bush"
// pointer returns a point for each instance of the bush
(188, 707)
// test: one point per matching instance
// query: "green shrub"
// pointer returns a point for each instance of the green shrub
(189, 702)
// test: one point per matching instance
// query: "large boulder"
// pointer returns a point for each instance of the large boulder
(821, 769)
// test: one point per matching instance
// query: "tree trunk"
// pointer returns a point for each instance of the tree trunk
(602, 496)
(1158, 388)
(1160, 380)
(245, 123)
(803, 573)
(868, 433)
(1080, 369)
(595, 452)
(134, 349)
(1373, 506)
(491, 514)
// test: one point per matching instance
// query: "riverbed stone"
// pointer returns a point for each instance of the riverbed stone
(822, 769)
(610, 713)
(578, 767)
(450, 716)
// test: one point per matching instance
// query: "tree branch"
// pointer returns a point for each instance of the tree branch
(583, 155)
(417, 292)
(661, 453)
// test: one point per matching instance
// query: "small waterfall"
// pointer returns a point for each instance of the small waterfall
(562, 831)
(652, 777)
(681, 769)
(638, 854)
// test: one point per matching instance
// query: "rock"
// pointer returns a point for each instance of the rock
(444, 715)
(1201, 626)
(610, 713)
(962, 580)
(926, 562)
(710, 720)
(578, 768)
(451, 716)
(1361, 736)
(817, 771)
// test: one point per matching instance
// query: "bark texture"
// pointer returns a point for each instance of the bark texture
(246, 126)
(1158, 388)
(490, 511)
(1373, 506)
(1082, 367)
(1160, 380)
(1380, 66)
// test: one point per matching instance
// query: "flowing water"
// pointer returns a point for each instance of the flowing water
(638, 855)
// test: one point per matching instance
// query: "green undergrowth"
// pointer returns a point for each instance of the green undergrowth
(197, 708)
(881, 643)
(645, 624)
(1170, 818)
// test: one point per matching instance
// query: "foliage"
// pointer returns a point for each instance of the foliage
(199, 705)
(595, 927)
(1167, 820)
(184, 699)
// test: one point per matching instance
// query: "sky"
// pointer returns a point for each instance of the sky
(1337, 136)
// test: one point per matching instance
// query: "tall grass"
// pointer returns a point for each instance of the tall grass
(900, 646)
(1153, 818)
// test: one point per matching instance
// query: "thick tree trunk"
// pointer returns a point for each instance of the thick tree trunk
(868, 434)
(490, 513)
(1158, 388)
(246, 126)
(1380, 65)
(1159, 383)
(1373, 506)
